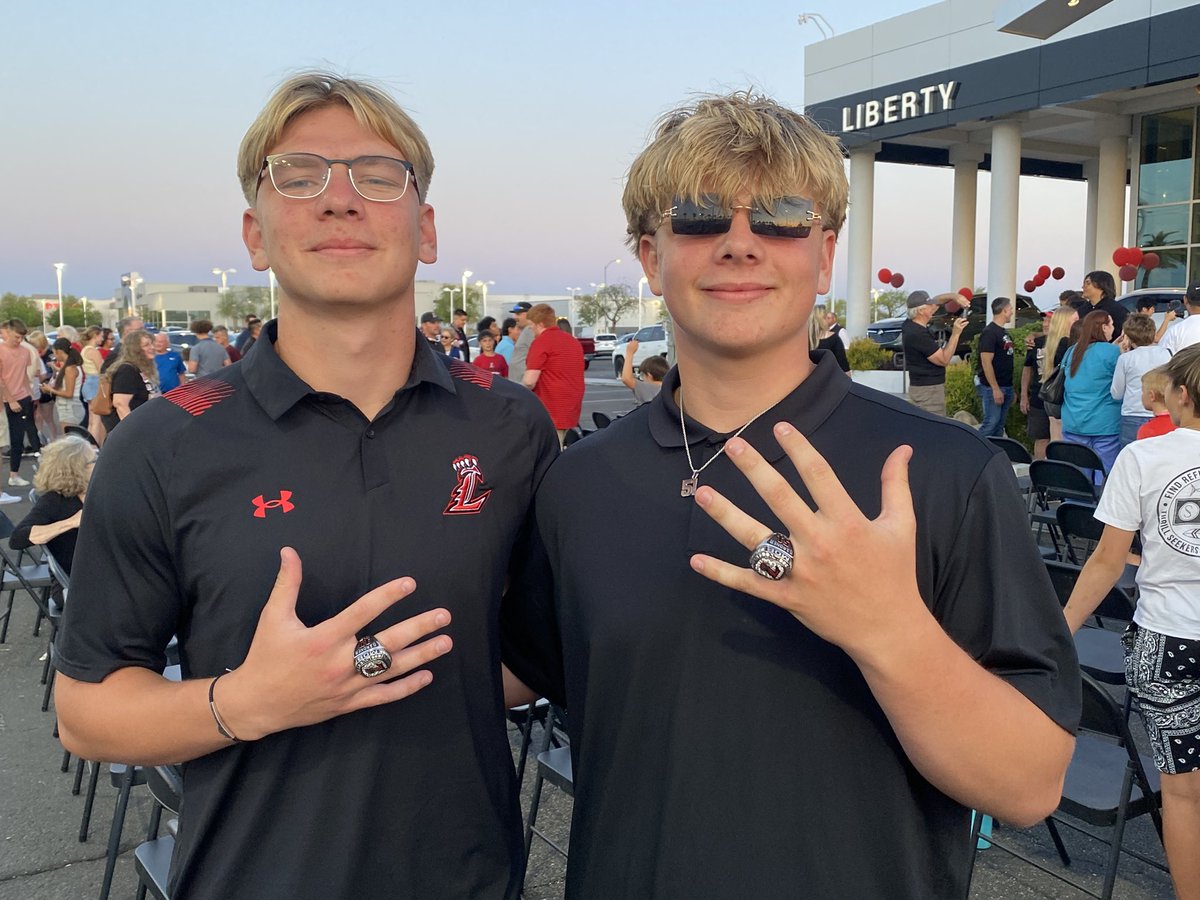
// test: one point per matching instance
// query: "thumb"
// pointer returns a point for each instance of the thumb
(896, 494)
(281, 604)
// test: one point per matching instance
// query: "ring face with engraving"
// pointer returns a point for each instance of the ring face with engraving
(772, 558)
(370, 658)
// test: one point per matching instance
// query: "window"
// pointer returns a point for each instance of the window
(1166, 158)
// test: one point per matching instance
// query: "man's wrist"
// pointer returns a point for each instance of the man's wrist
(239, 712)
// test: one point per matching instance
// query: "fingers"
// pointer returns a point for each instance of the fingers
(281, 604)
(740, 579)
(771, 486)
(818, 476)
(895, 490)
(744, 529)
(390, 692)
(367, 608)
(403, 634)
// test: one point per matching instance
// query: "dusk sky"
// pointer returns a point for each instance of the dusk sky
(121, 123)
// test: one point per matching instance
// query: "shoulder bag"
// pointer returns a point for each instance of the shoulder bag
(1053, 387)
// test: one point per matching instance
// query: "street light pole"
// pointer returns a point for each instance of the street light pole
(467, 273)
(642, 282)
(58, 267)
(273, 282)
(606, 265)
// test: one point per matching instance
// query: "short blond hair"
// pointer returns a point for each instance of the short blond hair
(543, 314)
(730, 145)
(1157, 382)
(64, 466)
(371, 105)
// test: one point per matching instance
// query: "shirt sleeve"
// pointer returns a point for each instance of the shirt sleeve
(130, 604)
(538, 354)
(1120, 504)
(994, 598)
(1119, 377)
(127, 380)
(48, 510)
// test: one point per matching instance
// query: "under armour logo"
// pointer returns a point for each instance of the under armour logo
(467, 498)
(284, 503)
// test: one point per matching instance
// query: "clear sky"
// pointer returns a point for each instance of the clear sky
(121, 121)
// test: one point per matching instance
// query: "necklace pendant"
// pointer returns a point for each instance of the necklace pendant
(688, 487)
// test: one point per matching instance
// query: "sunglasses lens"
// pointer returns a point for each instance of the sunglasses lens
(790, 217)
(703, 218)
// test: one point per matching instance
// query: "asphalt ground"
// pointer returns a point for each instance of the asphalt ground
(41, 857)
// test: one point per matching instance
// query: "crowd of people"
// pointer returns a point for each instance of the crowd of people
(341, 713)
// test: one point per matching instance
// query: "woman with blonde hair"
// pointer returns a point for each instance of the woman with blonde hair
(1058, 340)
(61, 482)
(821, 337)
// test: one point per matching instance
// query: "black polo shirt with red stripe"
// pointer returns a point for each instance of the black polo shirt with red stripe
(191, 502)
(721, 748)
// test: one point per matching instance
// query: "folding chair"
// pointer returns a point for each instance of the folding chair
(1052, 482)
(1015, 450)
(572, 436)
(602, 420)
(1078, 454)
(1107, 784)
(524, 718)
(152, 859)
(1078, 525)
(32, 577)
(553, 765)
(80, 431)
(1100, 652)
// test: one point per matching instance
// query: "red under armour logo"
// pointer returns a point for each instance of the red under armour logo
(261, 506)
(467, 498)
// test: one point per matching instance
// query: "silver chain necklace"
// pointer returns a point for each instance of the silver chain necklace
(687, 487)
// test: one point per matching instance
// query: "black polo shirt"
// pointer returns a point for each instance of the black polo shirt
(919, 345)
(194, 496)
(996, 340)
(722, 749)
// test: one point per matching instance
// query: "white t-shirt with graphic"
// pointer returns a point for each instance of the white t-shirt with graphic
(1154, 486)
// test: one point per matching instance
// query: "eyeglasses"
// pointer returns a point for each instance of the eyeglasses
(790, 217)
(303, 176)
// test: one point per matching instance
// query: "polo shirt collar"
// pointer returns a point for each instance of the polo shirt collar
(810, 404)
(277, 388)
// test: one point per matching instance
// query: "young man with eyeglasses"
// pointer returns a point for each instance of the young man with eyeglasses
(892, 659)
(336, 745)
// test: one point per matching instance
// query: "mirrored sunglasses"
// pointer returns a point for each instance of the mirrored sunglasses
(790, 217)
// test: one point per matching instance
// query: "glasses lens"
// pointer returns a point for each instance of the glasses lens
(699, 218)
(380, 177)
(298, 175)
(790, 217)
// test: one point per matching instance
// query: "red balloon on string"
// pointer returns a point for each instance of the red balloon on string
(1128, 273)
(1059, 273)
(1150, 261)
(885, 275)
(1119, 258)
(1133, 256)
(1044, 271)
(1039, 279)
(897, 280)
(953, 307)
(1030, 287)
(966, 293)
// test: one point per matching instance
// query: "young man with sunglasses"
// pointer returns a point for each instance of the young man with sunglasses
(816, 720)
(340, 721)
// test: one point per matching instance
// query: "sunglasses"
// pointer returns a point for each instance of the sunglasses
(790, 217)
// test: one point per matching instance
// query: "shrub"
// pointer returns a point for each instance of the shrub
(960, 385)
(865, 355)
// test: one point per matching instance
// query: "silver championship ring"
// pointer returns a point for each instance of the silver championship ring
(370, 657)
(772, 558)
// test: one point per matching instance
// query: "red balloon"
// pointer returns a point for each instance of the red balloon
(897, 280)
(1128, 273)
(1030, 287)
(885, 275)
(966, 293)
(1119, 258)
(1039, 280)
(1059, 273)
(953, 307)
(1133, 256)
(1150, 261)
(1044, 271)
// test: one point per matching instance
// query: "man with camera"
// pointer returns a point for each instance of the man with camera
(924, 358)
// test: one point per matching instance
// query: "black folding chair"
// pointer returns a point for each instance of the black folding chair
(152, 859)
(1077, 454)
(1081, 530)
(80, 431)
(554, 766)
(24, 571)
(524, 717)
(602, 420)
(1015, 450)
(1051, 482)
(1099, 649)
(572, 436)
(1107, 784)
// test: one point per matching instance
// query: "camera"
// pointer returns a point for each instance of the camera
(1175, 306)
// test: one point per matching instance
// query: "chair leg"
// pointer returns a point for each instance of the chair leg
(89, 801)
(1114, 852)
(1058, 842)
(49, 683)
(7, 616)
(114, 833)
(65, 765)
(976, 821)
(79, 766)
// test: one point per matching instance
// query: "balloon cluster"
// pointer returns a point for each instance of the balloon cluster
(954, 307)
(887, 276)
(1044, 274)
(1131, 258)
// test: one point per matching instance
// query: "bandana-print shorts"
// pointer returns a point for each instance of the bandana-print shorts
(1164, 674)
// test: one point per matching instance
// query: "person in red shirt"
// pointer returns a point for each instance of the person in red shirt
(1155, 385)
(554, 369)
(488, 358)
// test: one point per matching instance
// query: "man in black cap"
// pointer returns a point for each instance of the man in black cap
(516, 365)
(431, 329)
(925, 360)
(1184, 332)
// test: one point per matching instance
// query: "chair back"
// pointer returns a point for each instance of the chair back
(1078, 454)
(1014, 450)
(602, 420)
(80, 431)
(1078, 521)
(57, 571)
(166, 786)
(1116, 604)
(572, 436)
(1055, 480)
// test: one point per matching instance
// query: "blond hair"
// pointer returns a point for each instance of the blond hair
(64, 466)
(370, 104)
(730, 145)
(1060, 327)
(1157, 382)
(816, 325)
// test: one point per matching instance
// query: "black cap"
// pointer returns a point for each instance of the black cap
(1193, 294)
(427, 317)
(521, 307)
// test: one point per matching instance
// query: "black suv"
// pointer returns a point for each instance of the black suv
(886, 332)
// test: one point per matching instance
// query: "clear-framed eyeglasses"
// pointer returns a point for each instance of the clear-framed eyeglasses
(303, 176)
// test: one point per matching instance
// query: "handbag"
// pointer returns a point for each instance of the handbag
(102, 403)
(1054, 387)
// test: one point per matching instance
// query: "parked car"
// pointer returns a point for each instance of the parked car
(652, 341)
(1165, 298)
(605, 344)
(886, 332)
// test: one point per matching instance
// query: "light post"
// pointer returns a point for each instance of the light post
(467, 273)
(819, 20)
(131, 280)
(571, 303)
(83, 302)
(58, 267)
(221, 273)
(483, 286)
(450, 303)
(642, 282)
(606, 265)
(273, 282)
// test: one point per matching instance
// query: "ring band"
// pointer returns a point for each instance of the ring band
(772, 558)
(370, 658)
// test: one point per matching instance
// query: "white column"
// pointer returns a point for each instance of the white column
(966, 159)
(1110, 200)
(861, 226)
(1006, 193)
(1091, 172)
